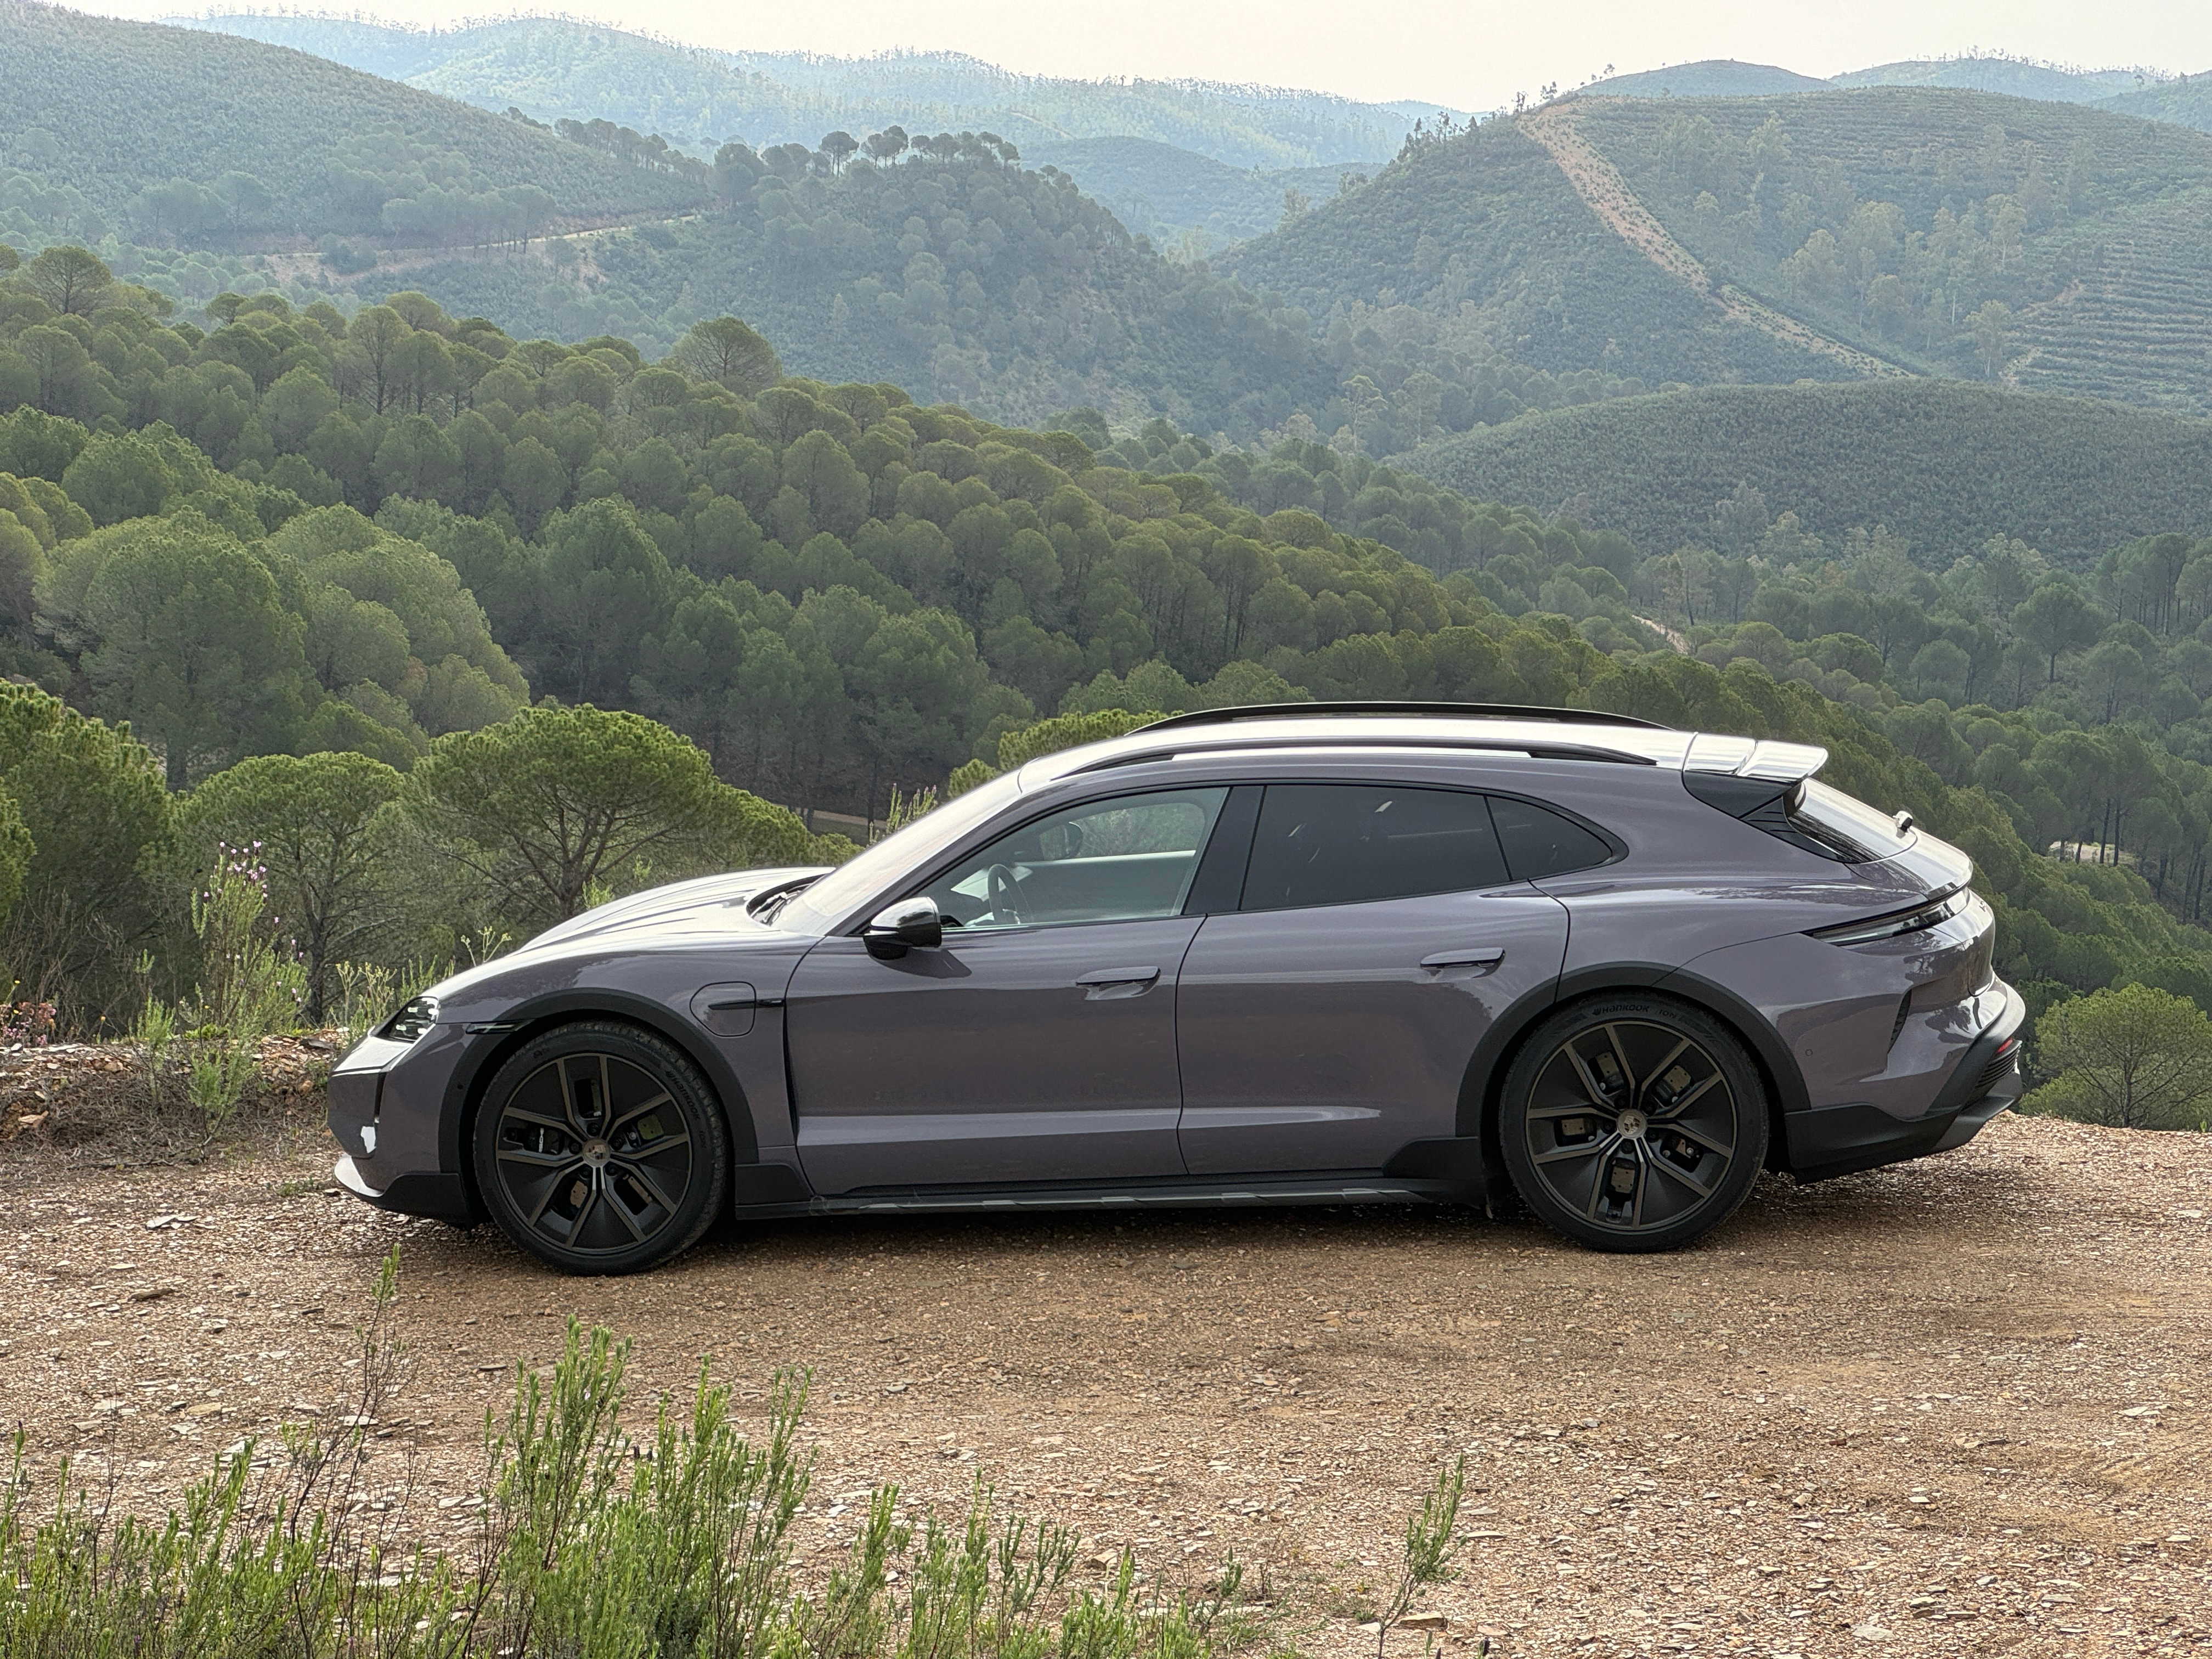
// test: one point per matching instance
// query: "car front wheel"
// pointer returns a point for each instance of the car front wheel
(600, 1149)
(1634, 1122)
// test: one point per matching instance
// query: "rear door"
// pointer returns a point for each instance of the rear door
(1331, 1016)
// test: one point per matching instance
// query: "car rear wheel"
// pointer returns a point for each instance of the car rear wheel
(1634, 1122)
(600, 1149)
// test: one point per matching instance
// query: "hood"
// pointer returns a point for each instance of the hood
(709, 909)
(675, 905)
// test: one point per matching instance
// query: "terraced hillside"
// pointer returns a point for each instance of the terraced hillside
(1945, 464)
(1835, 234)
(113, 111)
(1485, 238)
(1886, 218)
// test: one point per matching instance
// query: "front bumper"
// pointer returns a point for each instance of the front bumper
(1828, 1141)
(441, 1197)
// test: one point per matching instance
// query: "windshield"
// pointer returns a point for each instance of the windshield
(828, 900)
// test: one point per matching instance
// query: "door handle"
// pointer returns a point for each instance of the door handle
(1482, 956)
(1118, 976)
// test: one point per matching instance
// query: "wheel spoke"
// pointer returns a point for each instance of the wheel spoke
(528, 1116)
(1673, 1055)
(622, 1209)
(1681, 1177)
(523, 1155)
(1677, 1107)
(1543, 1113)
(637, 1173)
(1589, 1076)
(659, 1100)
(583, 1210)
(1564, 1154)
(1620, 1059)
(1724, 1149)
(545, 1198)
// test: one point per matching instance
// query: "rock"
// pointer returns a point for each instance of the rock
(1424, 1621)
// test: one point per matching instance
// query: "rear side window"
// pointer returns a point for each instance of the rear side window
(1539, 842)
(1331, 843)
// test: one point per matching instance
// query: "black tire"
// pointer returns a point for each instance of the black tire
(600, 1149)
(1634, 1122)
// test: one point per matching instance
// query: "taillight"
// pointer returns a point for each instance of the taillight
(1897, 922)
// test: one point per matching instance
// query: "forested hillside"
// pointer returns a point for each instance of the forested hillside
(1165, 194)
(955, 272)
(2015, 77)
(1945, 464)
(2053, 245)
(1953, 233)
(2186, 101)
(555, 67)
(168, 135)
(377, 538)
(1712, 77)
(1480, 238)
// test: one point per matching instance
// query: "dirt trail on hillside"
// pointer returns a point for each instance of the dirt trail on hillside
(1958, 1407)
(1599, 184)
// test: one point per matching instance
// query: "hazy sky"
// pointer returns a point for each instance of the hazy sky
(1472, 54)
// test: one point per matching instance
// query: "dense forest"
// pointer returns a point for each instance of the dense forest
(385, 571)
(1945, 464)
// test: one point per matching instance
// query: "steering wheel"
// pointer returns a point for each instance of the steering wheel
(1005, 900)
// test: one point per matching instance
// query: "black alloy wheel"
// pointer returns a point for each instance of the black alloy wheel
(1634, 1122)
(599, 1149)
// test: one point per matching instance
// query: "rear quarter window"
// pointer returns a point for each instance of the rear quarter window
(1538, 842)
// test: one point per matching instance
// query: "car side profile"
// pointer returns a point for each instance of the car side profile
(1318, 953)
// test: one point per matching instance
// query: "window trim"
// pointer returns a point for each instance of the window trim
(1616, 849)
(920, 884)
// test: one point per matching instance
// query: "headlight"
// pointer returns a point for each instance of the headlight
(412, 1022)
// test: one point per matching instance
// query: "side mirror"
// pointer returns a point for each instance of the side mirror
(908, 925)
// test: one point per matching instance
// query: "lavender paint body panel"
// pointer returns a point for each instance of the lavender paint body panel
(986, 1061)
(1315, 1039)
(1284, 1041)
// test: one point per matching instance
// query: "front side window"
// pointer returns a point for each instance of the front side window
(1334, 844)
(1122, 859)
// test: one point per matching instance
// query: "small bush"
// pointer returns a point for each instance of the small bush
(589, 1543)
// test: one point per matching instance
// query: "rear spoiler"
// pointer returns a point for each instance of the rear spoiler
(1767, 759)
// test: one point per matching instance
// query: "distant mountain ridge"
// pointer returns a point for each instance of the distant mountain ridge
(2015, 77)
(550, 67)
(122, 112)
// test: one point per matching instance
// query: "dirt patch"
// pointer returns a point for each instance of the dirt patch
(71, 1104)
(1961, 1403)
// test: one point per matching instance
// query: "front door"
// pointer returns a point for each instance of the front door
(1332, 1017)
(1038, 1045)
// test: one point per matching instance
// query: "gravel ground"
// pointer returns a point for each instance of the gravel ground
(1958, 1406)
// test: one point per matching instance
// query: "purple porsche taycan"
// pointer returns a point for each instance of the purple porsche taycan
(1333, 954)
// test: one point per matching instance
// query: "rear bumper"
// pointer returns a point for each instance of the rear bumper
(1827, 1141)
